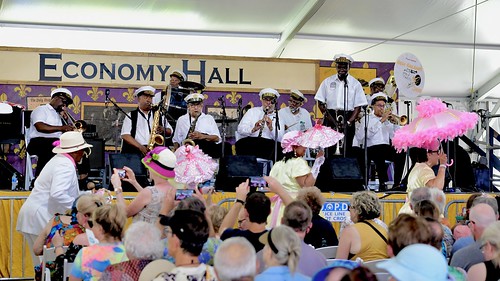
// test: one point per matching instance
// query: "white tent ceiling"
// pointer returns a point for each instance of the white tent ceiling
(457, 41)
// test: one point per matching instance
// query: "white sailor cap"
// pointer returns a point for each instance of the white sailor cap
(194, 97)
(298, 95)
(343, 58)
(378, 96)
(269, 92)
(179, 74)
(63, 92)
(376, 80)
(145, 90)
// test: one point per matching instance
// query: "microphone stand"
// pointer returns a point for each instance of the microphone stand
(408, 105)
(276, 129)
(344, 121)
(224, 120)
(115, 105)
(365, 147)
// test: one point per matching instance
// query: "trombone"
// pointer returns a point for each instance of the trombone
(79, 125)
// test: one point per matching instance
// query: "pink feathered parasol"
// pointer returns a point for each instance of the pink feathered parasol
(320, 136)
(193, 166)
(435, 123)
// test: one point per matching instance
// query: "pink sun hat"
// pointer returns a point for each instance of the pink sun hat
(290, 140)
(160, 161)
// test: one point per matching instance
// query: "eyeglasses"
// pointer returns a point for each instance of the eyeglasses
(351, 208)
(240, 222)
(470, 222)
(434, 151)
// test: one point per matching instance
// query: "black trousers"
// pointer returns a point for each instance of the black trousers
(42, 148)
(213, 149)
(349, 132)
(382, 152)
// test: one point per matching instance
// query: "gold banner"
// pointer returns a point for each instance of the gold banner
(114, 68)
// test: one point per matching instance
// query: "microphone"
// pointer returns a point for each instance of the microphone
(343, 77)
(407, 102)
(106, 101)
(221, 98)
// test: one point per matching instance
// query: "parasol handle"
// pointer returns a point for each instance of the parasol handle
(449, 164)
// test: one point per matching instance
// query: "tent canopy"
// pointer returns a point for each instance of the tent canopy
(457, 42)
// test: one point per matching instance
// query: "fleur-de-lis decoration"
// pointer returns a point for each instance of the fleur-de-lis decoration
(75, 107)
(23, 90)
(94, 93)
(233, 97)
(216, 103)
(316, 109)
(129, 94)
(20, 152)
(205, 96)
(3, 97)
(251, 104)
(283, 105)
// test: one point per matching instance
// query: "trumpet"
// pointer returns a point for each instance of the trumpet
(79, 125)
(263, 120)
(398, 120)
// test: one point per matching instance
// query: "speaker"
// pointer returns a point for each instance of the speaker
(340, 175)
(234, 170)
(133, 161)
(96, 158)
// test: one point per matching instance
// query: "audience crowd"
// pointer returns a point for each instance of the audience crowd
(193, 239)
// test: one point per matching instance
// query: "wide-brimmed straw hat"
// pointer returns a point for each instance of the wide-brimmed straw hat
(160, 161)
(71, 142)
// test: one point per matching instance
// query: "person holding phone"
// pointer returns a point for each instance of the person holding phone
(147, 204)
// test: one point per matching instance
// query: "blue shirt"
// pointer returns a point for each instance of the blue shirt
(281, 273)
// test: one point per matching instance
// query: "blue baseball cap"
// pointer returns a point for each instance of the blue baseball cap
(323, 273)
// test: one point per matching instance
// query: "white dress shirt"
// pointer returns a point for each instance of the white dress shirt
(295, 122)
(205, 125)
(378, 132)
(248, 123)
(48, 115)
(143, 128)
(331, 91)
(55, 190)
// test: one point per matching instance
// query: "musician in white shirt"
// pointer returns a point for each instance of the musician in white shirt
(332, 91)
(294, 116)
(136, 131)
(257, 130)
(380, 131)
(198, 127)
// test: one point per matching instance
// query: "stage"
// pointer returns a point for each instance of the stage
(15, 260)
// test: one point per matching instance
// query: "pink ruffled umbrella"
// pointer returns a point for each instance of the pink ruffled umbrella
(193, 166)
(320, 136)
(435, 122)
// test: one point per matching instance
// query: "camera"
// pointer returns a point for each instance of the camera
(121, 173)
(181, 194)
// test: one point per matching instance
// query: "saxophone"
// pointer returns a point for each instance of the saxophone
(157, 139)
(191, 130)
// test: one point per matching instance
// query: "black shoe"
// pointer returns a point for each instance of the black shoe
(382, 187)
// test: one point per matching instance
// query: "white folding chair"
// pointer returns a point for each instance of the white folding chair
(67, 269)
(372, 265)
(329, 252)
(49, 254)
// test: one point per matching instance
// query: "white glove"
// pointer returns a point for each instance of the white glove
(317, 165)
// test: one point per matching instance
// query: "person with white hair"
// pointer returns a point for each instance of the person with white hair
(480, 217)
(281, 255)
(46, 126)
(143, 245)
(235, 260)
(136, 131)
(294, 116)
(490, 246)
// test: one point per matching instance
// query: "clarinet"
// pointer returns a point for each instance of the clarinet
(263, 121)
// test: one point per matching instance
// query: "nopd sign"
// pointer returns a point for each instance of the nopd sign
(335, 211)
